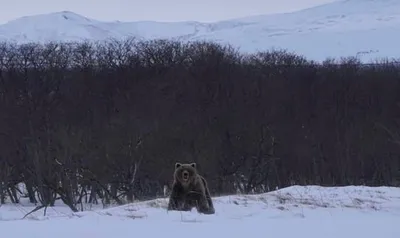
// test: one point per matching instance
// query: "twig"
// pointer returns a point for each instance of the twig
(34, 210)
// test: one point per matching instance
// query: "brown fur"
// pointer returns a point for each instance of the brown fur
(190, 190)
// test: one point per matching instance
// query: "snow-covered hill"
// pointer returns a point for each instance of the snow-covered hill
(310, 211)
(364, 28)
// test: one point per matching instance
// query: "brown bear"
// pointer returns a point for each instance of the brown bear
(189, 190)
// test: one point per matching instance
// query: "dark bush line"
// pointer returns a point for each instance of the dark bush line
(88, 121)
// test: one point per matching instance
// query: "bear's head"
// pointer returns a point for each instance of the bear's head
(185, 174)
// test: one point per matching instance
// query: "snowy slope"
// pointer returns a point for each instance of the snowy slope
(69, 26)
(365, 28)
(311, 211)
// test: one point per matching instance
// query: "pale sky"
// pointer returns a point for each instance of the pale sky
(157, 10)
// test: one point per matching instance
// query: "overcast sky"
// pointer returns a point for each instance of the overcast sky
(158, 10)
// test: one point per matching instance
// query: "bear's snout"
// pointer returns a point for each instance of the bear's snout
(185, 175)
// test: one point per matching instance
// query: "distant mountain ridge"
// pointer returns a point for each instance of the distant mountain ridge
(364, 28)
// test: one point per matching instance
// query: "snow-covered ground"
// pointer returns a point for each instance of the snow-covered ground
(297, 211)
(364, 28)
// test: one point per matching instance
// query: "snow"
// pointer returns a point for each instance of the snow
(364, 28)
(368, 29)
(297, 211)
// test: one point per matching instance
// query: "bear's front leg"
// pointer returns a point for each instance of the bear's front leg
(204, 207)
(174, 201)
(177, 205)
(172, 204)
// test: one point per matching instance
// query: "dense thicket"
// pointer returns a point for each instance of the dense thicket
(108, 120)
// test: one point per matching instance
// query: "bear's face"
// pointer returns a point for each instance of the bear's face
(185, 173)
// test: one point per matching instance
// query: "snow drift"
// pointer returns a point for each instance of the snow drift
(310, 211)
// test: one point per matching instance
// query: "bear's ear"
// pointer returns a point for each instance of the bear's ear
(193, 165)
(177, 165)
